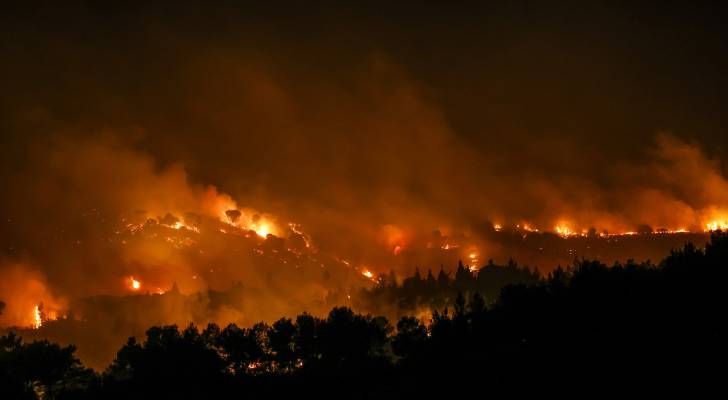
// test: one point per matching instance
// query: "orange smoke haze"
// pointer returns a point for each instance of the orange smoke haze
(230, 163)
(28, 297)
(95, 186)
(88, 185)
(301, 188)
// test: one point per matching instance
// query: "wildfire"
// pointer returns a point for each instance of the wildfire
(134, 284)
(296, 228)
(367, 273)
(263, 230)
(473, 256)
(250, 220)
(497, 227)
(563, 230)
(716, 225)
(529, 228)
(179, 225)
(37, 319)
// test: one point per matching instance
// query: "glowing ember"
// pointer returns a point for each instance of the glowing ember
(296, 228)
(528, 228)
(497, 227)
(369, 275)
(397, 250)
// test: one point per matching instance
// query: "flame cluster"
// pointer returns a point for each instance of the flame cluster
(716, 225)
(37, 319)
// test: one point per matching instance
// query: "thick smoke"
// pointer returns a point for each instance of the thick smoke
(364, 168)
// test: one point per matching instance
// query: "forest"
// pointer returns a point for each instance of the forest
(589, 324)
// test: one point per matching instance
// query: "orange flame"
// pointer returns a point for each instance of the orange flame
(134, 284)
(37, 320)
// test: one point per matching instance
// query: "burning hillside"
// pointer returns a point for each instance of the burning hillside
(224, 170)
(115, 223)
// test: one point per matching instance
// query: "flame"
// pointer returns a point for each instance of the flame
(134, 284)
(37, 320)
(296, 228)
(263, 230)
(369, 275)
(180, 225)
(397, 250)
(473, 257)
(563, 230)
(716, 225)
(497, 227)
(529, 228)
(250, 220)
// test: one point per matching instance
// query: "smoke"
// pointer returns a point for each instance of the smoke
(23, 286)
(365, 162)
(367, 158)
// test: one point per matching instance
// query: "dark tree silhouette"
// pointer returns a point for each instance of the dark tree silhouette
(586, 326)
(41, 369)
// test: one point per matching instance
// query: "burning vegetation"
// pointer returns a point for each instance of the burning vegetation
(244, 192)
(508, 326)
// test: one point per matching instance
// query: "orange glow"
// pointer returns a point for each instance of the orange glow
(180, 225)
(37, 320)
(369, 275)
(473, 262)
(263, 230)
(251, 220)
(528, 228)
(134, 284)
(497, 227)
(397, 250)
(716, 225)
(563, 230)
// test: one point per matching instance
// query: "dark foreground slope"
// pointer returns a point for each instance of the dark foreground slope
(587, 330)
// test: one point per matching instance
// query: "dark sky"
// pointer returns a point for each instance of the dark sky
(595, 72)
